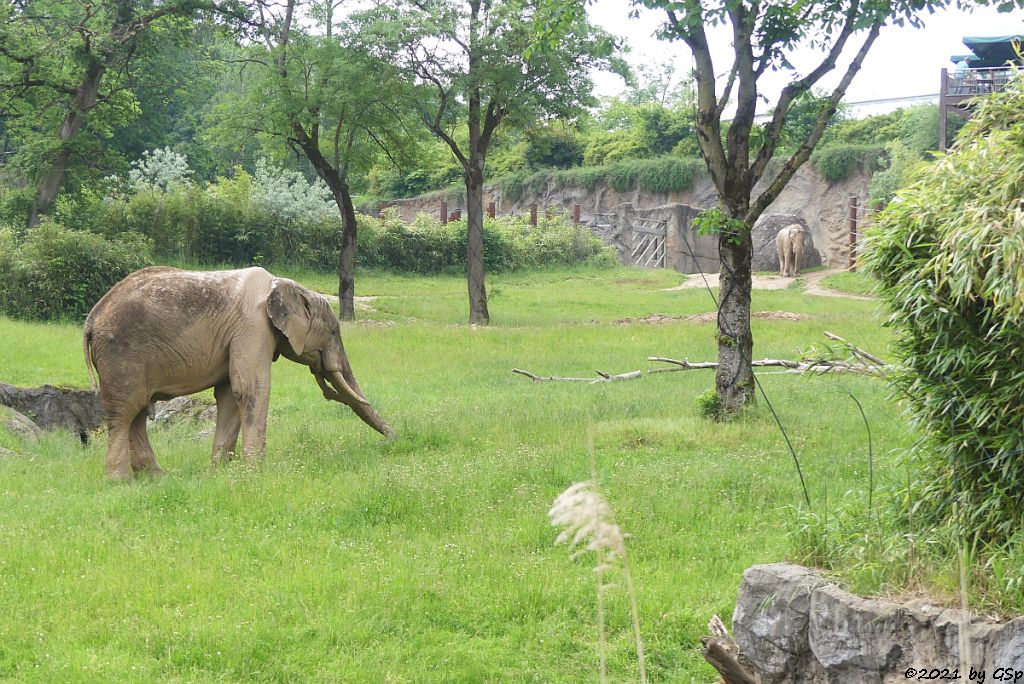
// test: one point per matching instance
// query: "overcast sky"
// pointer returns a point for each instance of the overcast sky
(903, 61)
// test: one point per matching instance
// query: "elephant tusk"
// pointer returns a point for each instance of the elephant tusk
(344, 389)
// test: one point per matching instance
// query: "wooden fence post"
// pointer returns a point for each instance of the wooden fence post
(533, 214)
(444, 212)
(853, 233)
(491, 210)
(576, 214)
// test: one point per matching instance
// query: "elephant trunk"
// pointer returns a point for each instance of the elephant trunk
(349, 394)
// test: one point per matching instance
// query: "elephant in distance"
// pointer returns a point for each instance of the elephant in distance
(163, 332)
(789, 244)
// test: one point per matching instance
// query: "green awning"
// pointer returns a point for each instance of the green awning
(991, 51)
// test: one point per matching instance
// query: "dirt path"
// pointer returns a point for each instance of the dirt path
(811, 284)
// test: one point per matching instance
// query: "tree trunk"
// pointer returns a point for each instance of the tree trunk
(475, 247)
(86, 96)
(347, 257)
(734, 378)
(343, 199)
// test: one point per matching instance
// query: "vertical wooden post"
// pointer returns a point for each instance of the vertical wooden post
(943, 87)
(576, 214)
(533, 214)
(853, 233)
(444, 212)
(491, 209)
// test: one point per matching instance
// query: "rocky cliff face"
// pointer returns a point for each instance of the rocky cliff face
(821, 205)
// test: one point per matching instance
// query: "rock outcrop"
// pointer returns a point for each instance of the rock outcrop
(821, 205)
(77, 410)
(792, 625)
(25, 411)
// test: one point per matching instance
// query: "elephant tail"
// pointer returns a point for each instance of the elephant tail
(87, 351)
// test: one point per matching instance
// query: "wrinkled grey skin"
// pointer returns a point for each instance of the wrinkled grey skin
(789, 244)
(163, 332)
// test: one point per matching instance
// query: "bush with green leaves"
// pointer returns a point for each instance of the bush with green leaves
(949, 254)
(842, 161)
(510, 243)
(660, 174)
(58, 273)
(898, 169)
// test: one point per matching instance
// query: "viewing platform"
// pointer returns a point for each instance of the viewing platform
(993, 63)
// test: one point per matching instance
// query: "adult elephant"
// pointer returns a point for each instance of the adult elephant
(164, 332)
(789, 244)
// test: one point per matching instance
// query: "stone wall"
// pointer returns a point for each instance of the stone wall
(822, 206)
(792, 625)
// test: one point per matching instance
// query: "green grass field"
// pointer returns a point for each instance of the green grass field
(347, 558)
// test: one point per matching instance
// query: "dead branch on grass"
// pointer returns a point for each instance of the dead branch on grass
(604, 377)
(858, 361)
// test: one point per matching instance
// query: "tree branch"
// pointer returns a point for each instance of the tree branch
(773, 132)
(803, 153)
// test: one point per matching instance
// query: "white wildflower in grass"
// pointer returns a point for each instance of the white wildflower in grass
(589, 525)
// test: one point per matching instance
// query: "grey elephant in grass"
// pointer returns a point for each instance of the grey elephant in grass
(163, 332)
(789, 244)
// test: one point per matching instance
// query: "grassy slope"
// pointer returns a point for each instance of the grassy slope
(346, 558)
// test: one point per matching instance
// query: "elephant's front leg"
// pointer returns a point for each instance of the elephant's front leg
(251, 390)
(229, 422)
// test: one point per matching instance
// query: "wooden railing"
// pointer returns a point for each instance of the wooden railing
(975, 81)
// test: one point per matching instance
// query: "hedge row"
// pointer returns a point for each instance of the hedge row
(59, 272)
(55, 272)
(660, 174)
(510, 243)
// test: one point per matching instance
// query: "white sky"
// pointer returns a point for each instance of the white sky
(903, 62)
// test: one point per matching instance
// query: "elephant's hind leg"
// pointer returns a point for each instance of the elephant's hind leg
(142, 457)
(229, 422)
(121, 405)
(117, 462)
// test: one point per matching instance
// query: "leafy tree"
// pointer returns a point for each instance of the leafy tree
(63, 64)
(763, 34)
(332, 103)
(486, 62)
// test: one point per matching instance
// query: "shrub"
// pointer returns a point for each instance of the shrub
(949, 254)
(899, 167)
(57, 273)
(427, 246)
(709, 406)
(843, 160)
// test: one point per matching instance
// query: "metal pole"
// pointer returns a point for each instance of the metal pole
(943, 87)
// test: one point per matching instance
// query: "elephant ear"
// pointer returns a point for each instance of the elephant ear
(290, 312)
